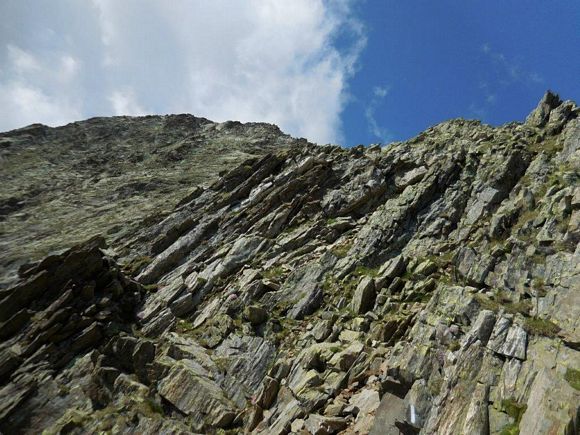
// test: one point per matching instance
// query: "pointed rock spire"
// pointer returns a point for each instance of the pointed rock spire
(540, 115)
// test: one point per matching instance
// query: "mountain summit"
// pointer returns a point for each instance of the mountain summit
(276, 286)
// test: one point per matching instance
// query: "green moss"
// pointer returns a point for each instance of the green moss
(454, 346)
(551, 146)
(525, 217)
(434, 385)
(510, 429)
(184, 326)
(273, 273)
(222, 363)
(341, 251)
(515, 410)
(512, 408)
(501, 301)
(537, 326)
(408, 275)
(522, 307)
(332, 287)
(426, 297)
(290, 229)
(136, 265)
(152, 407)
(151, 288)
(572, 376)
(366, 271)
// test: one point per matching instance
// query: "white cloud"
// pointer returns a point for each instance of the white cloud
(21, 61)
(380, 132)
(510, 69)
(490, 98)
(503, 72)
(125, 103)
(28, 105)
(69, 67)
(380, 91)
(257, 60)
(35, 90)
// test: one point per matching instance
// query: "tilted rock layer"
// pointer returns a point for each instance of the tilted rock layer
(430, 286)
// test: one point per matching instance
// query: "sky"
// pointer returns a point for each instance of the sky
(333, 71)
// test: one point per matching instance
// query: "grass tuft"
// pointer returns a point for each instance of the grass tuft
(572, 376)
(515, 410)
(537, 326)
(273, 273)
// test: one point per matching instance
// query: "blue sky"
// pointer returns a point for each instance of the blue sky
(339, 71)
(435, 60)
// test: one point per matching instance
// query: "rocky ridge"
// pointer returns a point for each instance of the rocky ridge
(430, 286)
(106, 175)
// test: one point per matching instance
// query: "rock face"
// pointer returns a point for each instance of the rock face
(431, 286)
(105, 175)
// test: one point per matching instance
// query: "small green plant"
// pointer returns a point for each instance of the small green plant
(153, 407)
(184, 326)
(273, 273)
(341, 251)
(434, 385)
(136, 265)
(525, 217)
(522, 307)
(572, 376)
(365, 271)
(510, 429)
(151, 288)
(501, 300)
(515, 410)
(454, 346)
(537, 326)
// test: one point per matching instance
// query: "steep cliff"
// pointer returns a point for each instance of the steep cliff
(430, 286)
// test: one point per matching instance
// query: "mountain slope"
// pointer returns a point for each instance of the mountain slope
(104, 175)
(431, 286)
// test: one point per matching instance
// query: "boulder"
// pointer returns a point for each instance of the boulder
(317, 424)
(364, 296)
(552, 406)
(515, 344)
(267, 393)
(393, 268)
(481, 329)
(411, 177)
(196, 396)
(255, 315)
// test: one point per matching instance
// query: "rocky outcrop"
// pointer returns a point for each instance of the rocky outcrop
(429, 286)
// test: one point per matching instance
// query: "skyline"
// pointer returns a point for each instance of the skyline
(343, 72)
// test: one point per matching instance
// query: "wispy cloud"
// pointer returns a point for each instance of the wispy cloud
(276, 61)
(511, 69)
(380, 132)
(503, 72)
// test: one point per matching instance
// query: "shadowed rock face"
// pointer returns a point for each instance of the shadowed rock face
(431, 286)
